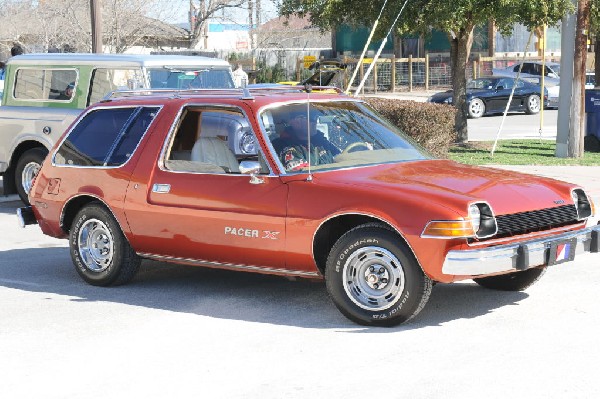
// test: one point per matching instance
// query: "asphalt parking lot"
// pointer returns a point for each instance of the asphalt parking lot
(178, 332)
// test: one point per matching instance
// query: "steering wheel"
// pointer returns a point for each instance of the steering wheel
(355, 145)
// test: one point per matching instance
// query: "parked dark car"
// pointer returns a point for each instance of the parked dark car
(489, 95)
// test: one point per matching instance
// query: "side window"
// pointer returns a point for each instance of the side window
(526, 68)
(212, 141)
(105, 137)
(105, 80)
(506, 83)
(45, 84)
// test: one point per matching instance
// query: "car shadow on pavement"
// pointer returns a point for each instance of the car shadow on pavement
(10, 207)
(231, 295)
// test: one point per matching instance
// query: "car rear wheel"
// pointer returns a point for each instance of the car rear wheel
(476, 108)
(100, 252)
(374, 279)
(532, 104)
(517, 281)
(27, 169)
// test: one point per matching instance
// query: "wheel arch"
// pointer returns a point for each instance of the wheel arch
(75, 204)
(331, 229)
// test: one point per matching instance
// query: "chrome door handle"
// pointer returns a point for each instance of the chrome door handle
(161, 188)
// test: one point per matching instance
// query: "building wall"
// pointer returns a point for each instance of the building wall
(223, 36)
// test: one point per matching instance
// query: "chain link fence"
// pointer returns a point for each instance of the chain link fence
(429, 73)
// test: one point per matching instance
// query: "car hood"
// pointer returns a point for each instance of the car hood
(454, 185)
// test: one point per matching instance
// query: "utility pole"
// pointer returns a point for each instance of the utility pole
(96, 14)
(578, 104)
(563, 124)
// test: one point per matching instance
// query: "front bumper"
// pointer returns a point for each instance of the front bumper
(518, 256)
(552, 102)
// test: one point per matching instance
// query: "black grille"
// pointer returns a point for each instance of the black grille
(532, 221)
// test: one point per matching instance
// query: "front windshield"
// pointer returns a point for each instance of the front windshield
(190, 78)
(342, 134)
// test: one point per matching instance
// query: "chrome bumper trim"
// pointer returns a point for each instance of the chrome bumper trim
(517, 256)
(231, 266)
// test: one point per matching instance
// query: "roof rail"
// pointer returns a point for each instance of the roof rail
(245, 93)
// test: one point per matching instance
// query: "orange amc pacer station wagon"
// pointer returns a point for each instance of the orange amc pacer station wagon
(292, 183)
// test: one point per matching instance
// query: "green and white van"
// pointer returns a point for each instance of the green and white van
(44, 93)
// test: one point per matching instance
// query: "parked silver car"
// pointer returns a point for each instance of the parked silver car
(532, 72)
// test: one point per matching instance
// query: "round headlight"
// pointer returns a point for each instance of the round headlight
(247, 143)
(475, 217)
(575, 196)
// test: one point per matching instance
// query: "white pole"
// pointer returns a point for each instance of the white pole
(362, 83)
(362, 56)
(512, 92)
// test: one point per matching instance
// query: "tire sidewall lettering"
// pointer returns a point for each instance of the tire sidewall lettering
(349, 249)
(396, 309)
(75, 247)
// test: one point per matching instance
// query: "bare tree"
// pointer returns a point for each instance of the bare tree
(202, 11)
(64, 25)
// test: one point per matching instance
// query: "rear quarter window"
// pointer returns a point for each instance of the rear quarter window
(105, 137)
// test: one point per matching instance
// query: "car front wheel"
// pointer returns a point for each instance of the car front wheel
(100, 252)
(476, 108)
(374, 279)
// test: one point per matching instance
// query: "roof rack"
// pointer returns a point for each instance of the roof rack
(245, 93)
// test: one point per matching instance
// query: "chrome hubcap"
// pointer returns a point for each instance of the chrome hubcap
(30, 171)
(95, 245)
(534, 103)
(476, 107)
(373, 278)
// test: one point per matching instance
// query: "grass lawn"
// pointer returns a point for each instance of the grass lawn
(517, 152)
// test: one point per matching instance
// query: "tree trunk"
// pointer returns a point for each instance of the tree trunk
(577, 133)
(251, 22)
(460, 48)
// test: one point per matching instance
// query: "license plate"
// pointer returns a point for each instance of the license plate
(561, 252)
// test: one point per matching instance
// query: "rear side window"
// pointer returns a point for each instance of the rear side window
(105, 137)
(45, 84)
(105, 80)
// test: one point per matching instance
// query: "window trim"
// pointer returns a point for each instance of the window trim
(42, 100)
(119, 68)
(84, 115)
(168, 142)
(282, 171)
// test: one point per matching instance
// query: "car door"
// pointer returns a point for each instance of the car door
(497, 101)
(198, 206)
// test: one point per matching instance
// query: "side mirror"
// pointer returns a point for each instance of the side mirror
(499, 87)
(252, 168)
(249, 167)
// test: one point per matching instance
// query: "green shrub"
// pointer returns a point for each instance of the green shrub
(431, 125)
